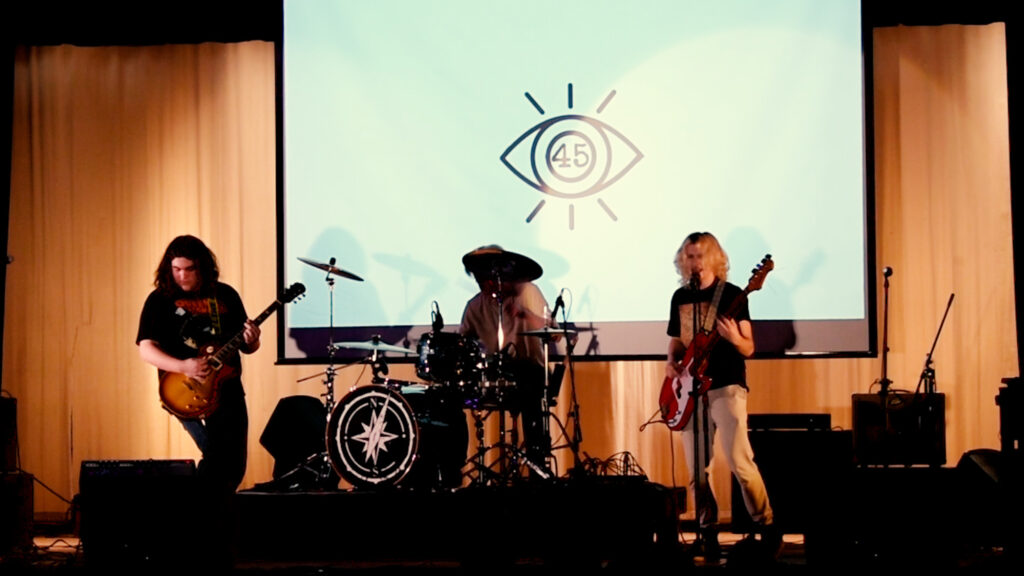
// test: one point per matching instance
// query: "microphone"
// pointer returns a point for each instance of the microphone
(332, 261)
(559, 303)
(695, 282)
(887, 271)
(438, 319)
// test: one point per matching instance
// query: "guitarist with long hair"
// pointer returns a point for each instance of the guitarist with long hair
(710, 339)
(188, 311)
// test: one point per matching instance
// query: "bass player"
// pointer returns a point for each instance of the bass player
(721, 390)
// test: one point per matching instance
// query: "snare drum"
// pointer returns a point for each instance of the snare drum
(451, 359)
(494, 394)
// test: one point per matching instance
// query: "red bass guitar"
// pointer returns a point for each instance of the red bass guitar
(675, 412)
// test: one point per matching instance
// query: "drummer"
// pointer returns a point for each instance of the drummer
(507, 305)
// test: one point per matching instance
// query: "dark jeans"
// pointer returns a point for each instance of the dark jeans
(222, 437)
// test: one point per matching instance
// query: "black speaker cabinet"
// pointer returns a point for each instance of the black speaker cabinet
(16, 510)
(139, 512)
(804, 471)
(1011, 416)
(899, 429)
(8, 434)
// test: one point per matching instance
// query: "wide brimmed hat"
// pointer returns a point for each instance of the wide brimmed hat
(495, 262)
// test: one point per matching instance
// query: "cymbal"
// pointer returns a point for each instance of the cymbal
(374, 345)
(330, 268)
(547, 332)
(495, 262)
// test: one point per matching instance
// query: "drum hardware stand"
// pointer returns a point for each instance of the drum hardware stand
(508, 453)
(510, 456)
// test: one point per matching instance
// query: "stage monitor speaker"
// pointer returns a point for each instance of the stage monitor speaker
(296, 430)
(899, 429)
(138, 512)
(992, 502)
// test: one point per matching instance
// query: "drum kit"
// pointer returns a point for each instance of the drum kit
(414, 435)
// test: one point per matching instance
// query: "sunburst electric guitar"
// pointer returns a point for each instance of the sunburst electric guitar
(679, 394)
(190, 398)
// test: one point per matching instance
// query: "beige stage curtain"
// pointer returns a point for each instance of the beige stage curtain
(118, 149)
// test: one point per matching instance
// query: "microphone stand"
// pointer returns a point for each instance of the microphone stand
(574, 405)
(701, 443)
(928, 374)
(884, 382)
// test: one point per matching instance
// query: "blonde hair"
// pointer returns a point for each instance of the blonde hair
(714, 256)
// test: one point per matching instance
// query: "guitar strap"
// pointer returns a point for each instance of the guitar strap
(214, 315)
(712, 314)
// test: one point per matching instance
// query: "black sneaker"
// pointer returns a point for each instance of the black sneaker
(771, 540)
(710, 549)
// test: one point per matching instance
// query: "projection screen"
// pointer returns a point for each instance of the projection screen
(589, 135)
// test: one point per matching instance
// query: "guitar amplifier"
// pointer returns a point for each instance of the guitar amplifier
(136, 512)
(901, 429)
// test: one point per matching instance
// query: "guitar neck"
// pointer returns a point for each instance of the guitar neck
(236, 342)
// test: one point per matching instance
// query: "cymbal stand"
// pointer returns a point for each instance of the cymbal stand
(320, 463)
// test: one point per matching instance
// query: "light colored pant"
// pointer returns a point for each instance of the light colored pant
(727, 426)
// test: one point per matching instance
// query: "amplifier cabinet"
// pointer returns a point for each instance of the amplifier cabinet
(137, 512)
(899, 428)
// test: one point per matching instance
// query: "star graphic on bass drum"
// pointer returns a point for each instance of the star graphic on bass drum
(375, 437)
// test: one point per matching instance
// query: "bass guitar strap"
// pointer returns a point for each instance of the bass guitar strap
(712, 313)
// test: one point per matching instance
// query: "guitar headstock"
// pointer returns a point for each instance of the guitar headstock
(294, 292)
(759, 272)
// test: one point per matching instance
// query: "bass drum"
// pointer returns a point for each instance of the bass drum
(377, 439)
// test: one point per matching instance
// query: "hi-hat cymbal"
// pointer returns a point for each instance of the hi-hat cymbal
(374, 345)
(495, 262)
(331, 268)
(547, 332)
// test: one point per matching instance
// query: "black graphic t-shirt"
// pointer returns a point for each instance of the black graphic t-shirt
(725, 364)
(181, 324)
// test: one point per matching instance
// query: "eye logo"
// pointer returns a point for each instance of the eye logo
(571, 157)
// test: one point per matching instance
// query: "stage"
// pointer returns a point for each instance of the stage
(584, 521)
(595, 520)
(148, 513)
